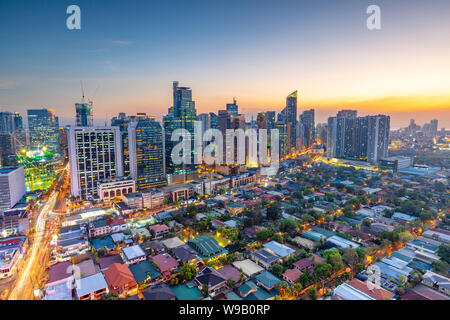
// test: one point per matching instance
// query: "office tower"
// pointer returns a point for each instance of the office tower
(307, 122)
(233, 108)
(43, 129)
(289, 114)
(94, 154)
(147, 158)
(270, 118)
(7, 148)
(39, 168)
(213, 121)
(378, 139)
(18, 122)
(122, 121)
(85, 116)
(434, 127)
(12, 184)
(283, 128)
(182, 115)
(261, 120)
(6, 122)
(206, 123)
(224, 123)
(347, 114)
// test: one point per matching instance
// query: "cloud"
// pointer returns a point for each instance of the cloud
(122, 42)
(7, 84)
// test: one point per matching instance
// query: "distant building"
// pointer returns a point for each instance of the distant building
(12, 186)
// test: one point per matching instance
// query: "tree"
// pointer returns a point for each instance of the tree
(277, 270)
(444, 252)
(351, 257)
(278, 237)
(304, 279)
(307, 218)
(312, 293)
(110, 296)
(273, 212)
(441, 267)
(264, 234)
(188, 272)
(228, 232)
(321, 272)
(231, 283)
(204, 290)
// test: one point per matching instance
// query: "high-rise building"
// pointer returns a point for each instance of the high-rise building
(122, 121)
(7, 122)
(289, 115)
(12, 184)
(213, 121)
(43, 129)
(308, 127)
(85, 116)
(95, 153)
(261, 120)
(434, 127)
(7, 148)
(147, 157)
(358, 138)
(182, 115)
(233, 108)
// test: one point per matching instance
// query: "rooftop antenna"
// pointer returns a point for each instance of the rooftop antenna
(82, 91)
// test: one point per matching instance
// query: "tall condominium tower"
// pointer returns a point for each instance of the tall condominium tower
(358, 138)
(289, 114)
(182, 115)
(122, 121)
(147, 158)
(85, 116)
(94, 154)
(43, 128)
(308, 126)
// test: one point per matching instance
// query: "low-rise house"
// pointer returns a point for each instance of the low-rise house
(207, 247)
(267, 280)
(153, 247)
(165, 263)
(422, 292)
(291, 276)
(160, 230)
(91, 287)
(230, 272)
(279, 249)
(437, 282)
(307, 264)
(247, 288)
(87, 268)
(120, 280)
(106, 261)
(171, 243)
(212, 279)
(266, 258)
(248, 267)
(98, 228)
(145, 272)
(133, 254)
(159, 292)
(362, 290)
(117, 225)
(185, 254)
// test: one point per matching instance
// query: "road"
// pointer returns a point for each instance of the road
(34, 266)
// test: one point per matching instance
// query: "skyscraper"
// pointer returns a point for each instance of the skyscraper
(6, 122)
(147, 158)
(289, 114)
(85, 117)
(122, 121)
(44, 129)
(94, 154)
(182, 115)
(308, 126)
(233, 108)
(434, 127)
(358, 138)
(213, 121)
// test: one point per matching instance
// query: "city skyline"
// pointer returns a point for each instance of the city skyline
(127, 62)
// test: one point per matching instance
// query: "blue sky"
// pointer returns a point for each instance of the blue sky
(258, 51)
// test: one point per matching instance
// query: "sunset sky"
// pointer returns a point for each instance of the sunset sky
(129, 52)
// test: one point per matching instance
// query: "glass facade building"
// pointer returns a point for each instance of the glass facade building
(146, 152)
(43, 128)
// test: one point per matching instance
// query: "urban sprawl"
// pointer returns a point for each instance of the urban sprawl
(354, 211)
